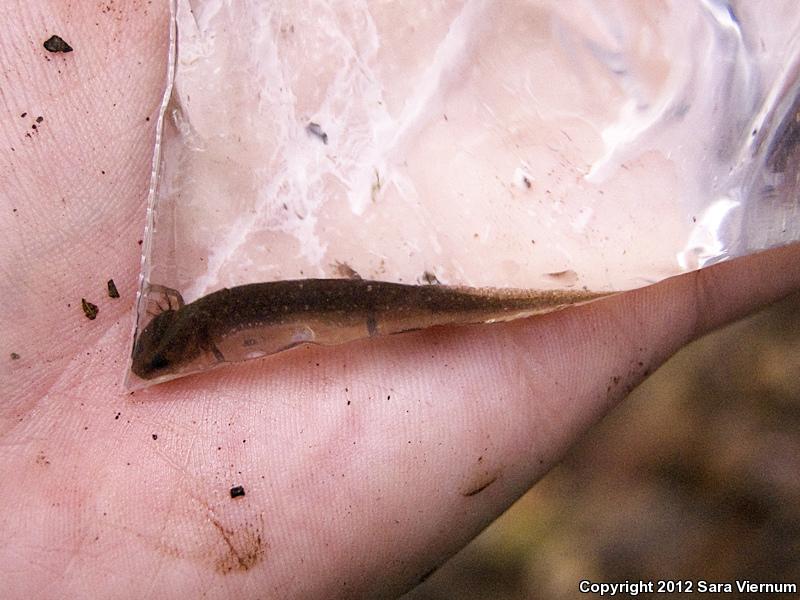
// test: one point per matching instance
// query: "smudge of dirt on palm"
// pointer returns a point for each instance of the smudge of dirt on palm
(222, 541)
(243, 547)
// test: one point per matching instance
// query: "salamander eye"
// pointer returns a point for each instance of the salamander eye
(159, 361)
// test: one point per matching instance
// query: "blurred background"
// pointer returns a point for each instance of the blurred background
(696, 475)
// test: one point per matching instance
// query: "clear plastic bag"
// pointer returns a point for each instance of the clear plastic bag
(325, 172)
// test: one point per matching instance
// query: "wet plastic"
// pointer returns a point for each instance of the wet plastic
(499, 150)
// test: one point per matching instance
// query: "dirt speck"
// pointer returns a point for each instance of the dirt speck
(56, 44)
(14, 356)
(345, 270)
(112, 289)
(316, 130)
(237, 491)
(89, 309)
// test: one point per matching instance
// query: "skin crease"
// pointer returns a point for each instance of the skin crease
(360, 463)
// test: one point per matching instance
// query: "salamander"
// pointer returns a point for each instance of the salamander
(247, 321)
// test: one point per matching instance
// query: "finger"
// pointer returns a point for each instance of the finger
(560, 373)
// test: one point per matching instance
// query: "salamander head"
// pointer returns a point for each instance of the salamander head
(166, 345)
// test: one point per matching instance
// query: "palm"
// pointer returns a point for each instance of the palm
(363, 466)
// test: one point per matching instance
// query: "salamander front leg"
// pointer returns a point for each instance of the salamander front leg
(161, 298)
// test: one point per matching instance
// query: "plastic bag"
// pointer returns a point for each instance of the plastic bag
(325, 172)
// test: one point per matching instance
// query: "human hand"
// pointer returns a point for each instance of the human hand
(364, 466)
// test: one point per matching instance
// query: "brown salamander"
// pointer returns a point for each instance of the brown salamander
(257, 319)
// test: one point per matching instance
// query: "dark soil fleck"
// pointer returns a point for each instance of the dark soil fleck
(14, 356)
(237, 491)
(112, 289)
(89, 309)
(56, 44)
(155, 436)
(315, 129)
